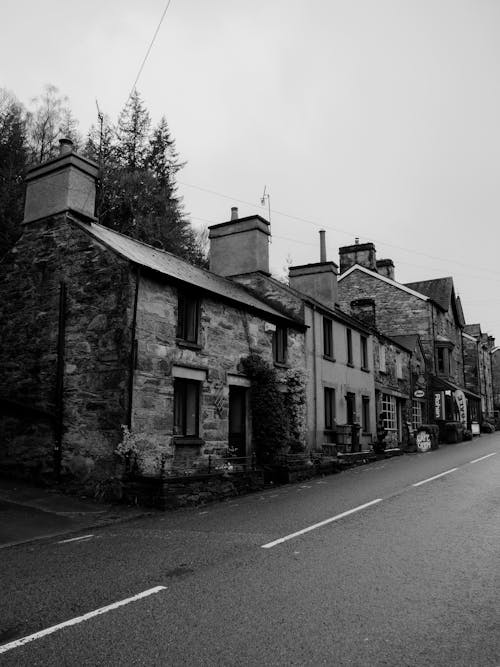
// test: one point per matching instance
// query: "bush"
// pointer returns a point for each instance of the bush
(486, 427)
(467, 435)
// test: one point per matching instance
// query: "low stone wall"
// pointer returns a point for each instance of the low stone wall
(192, 490)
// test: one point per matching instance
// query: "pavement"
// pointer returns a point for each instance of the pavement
(29, 513)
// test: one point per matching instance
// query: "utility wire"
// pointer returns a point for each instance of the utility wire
(148, 51)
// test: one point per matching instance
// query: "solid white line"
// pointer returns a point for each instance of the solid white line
(321, 523)
(483, 457)
(79, 619)
(76, 539)
(429, 479)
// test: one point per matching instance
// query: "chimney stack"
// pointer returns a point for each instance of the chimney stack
(240, 245)
(318, 281)
(385, 267)
(64, 183)
(360, 253)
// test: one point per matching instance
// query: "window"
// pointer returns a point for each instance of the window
(389, 410)
(186, 407)
(381, 361)
(365, 413)
(188, 317)
(399, 366)
(443, 360)
(349, 346)
(364, 352)
(351, 407)
(327, 338)
(280, 344)
(416, 419)
(329, 408)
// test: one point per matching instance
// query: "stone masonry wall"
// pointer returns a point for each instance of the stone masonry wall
(99, 289)
(227, 334)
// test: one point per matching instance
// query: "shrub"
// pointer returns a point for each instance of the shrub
(467, 435)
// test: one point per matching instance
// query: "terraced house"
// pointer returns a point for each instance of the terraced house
(99, 331)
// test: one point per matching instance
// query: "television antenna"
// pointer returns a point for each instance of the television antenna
(266, 195)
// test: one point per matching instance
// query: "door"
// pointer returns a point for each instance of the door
(237, 420)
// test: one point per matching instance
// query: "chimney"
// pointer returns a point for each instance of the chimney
(64, 183)
(360, 253)
(364, 311)
(318, 281)
(385, 267)
(240, 245)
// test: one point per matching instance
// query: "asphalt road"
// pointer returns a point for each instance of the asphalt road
(381, 572)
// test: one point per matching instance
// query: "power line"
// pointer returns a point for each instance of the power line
(148, 51)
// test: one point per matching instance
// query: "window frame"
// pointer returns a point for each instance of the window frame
(363, 341)
(188, 317)
(416, 414)
(389, 406)
(328, 350)
(365, 414)
(181, 399)
(330, 408)
(280, 345)
(349, 347)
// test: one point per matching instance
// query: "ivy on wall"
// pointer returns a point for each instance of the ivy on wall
(278, 409)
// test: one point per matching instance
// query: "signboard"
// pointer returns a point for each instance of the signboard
(461, 402)
(423, 441)
(438, 405)
(419, 393)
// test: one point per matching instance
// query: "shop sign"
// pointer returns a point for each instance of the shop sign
(438, 405)
(419, 393)
(423, 441)
(461, 402)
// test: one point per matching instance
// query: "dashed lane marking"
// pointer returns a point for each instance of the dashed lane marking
(481, 458)
(430, 479)
(76, 539)
(79, 619)
(320, 524)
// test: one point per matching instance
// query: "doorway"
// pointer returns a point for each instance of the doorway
(237, 437)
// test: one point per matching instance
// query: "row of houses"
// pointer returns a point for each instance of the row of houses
(106, 342)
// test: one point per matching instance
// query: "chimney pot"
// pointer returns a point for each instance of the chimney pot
(65, 146)
(356, 240)
(234, 213)
(322, 246)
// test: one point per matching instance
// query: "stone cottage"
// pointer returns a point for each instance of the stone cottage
(427, 308)
(339, 348)
(98, 331)
(478, 368)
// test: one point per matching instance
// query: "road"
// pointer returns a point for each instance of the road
(394, 563)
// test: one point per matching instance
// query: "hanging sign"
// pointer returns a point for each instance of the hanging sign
(461, 402)
(419, 393)
(438, 405)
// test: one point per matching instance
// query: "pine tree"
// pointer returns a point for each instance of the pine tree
(13, 159)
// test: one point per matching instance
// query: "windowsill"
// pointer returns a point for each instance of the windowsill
(350, 364)
(281, 364)
(189, 440)
(328, 357)
(364, 369)
(185, 343)
(384, 372)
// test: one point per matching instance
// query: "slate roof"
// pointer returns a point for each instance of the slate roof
(409, 342)
(440, 290)
(473, 329)
(172, 266)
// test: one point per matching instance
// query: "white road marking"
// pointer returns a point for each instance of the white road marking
(429, 479)
(481, 458)
(79, 619)
(76, 539)
(320, 524)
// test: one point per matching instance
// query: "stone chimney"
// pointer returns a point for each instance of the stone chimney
(360, 253)
(364, 311)
(385, 267)
(318, 281)
(240, 245)
(64, 183)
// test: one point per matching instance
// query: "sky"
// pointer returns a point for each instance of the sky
(376, 119)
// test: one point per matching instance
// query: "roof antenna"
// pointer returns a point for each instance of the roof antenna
(266, 195)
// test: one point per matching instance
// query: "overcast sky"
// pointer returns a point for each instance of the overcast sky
(371, 118)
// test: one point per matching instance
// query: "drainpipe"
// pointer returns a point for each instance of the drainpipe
(315, 370)
(59, 422)
(133, 352)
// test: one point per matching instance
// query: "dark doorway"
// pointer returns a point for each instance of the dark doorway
(351, 407)
(237, 420)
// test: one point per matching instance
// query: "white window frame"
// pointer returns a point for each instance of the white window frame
(416, 414)
(389, 406)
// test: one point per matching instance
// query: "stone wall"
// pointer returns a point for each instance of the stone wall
(227, 334)
(99, 300)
